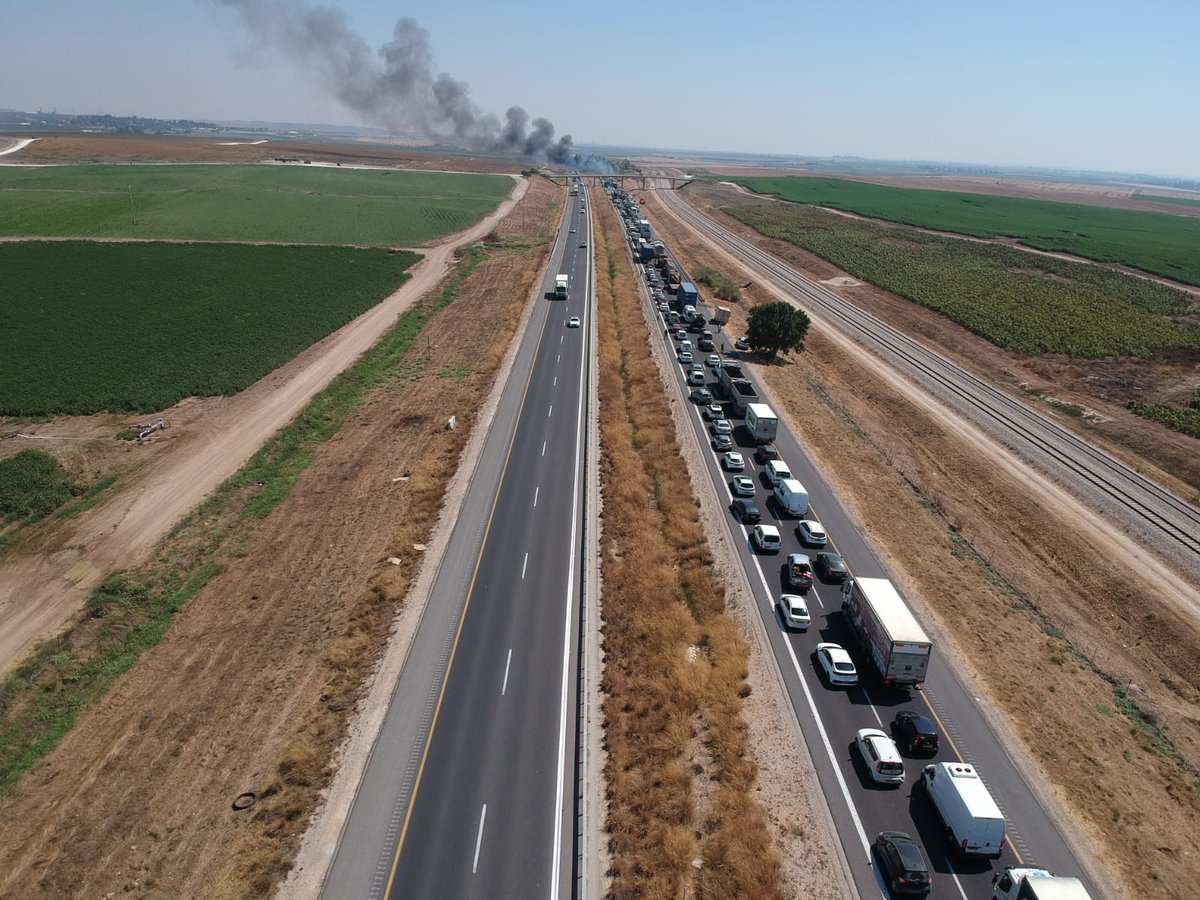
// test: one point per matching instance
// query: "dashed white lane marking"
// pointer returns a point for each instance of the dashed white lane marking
(523, 565)
(479, 840)
(535, 495)
(504, 687)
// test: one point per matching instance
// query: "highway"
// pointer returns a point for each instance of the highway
(829, 718)
(1162, 521)
(470, 788)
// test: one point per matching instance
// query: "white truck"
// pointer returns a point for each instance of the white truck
(722, 316)
(761, 423)
(561, 283)
(973, 821)
(1029, 883)
(887, 630)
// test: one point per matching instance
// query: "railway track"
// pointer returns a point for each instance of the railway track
(1148, 512)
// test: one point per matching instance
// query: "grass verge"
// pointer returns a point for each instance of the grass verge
(1185, 421)
(680, 772)
(722, 286)
(32, 485)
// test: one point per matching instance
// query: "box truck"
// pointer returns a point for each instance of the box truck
(560, 286)
(971, 817)
(761, 423)
(882, 622)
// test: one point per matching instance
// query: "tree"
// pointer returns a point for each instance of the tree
(776, 327)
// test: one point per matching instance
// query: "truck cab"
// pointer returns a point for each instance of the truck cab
(1031, 883)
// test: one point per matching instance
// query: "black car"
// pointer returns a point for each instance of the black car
(901, 864)
(830, 567)
(765, 453)
(747, 512)
(914, 732)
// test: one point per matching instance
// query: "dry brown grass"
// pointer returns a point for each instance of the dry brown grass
(1041, 615)
(680, 770)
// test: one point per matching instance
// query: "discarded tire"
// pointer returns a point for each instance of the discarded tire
(244, 801)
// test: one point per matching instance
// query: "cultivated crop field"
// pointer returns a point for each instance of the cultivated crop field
(126, 327)
(1028, 304)
(1154, 242)
(301, 204)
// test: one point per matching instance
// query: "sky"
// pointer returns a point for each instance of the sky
(1083, 85)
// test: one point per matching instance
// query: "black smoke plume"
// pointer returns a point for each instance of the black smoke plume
(396, 88)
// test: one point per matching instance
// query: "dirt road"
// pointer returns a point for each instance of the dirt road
(40, 592)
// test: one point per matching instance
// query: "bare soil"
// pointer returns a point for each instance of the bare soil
(102, 148)
(1042, 607)
(251, 688)
(208, 441)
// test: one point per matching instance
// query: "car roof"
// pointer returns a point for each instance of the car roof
(836, 652)
(906, 847)
(865, 733)
(812, 524)
(768, 529)
(919, 720)
(794, 600)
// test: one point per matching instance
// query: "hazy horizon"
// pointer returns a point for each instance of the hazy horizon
(1067, 86)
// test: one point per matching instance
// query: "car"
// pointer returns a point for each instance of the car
(714, 411)
(901, 864)
(830, 567)
(698, 368)
(572, 231)
(702, 395)
(680, 335)
(880, 756)
(837, 665)
(722, 442)
(742, 486)
(721, 426)
(793, 611)
(712, 361)
(685, 356)
(767, 540)
(742, 344)
(695, 378)
(734, 462)
(811, 533)
(914, 732)
(764, 453)
(582, 244)
(573, 322)
(747, 512)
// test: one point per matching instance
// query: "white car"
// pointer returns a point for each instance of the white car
(712, 360)
(734, 462)
(680, 335)
(714, 411)
(685, 356)
(767, 540)
(721, 426)
(837, 665)
(573, 322)
(794, 611)
(880, 755)
(722, 442)
(811, 533)
(742, 486)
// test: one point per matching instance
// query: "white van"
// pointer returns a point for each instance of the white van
(777, 470)
(684, 346)
(766, 538)
(792, 497)
(972, 818)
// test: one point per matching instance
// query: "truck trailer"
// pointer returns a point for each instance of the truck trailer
(561, 283)
(972, 819)
(688, 293)
(887, 630)
(722, 315)
(761, 423)
(1030, 883)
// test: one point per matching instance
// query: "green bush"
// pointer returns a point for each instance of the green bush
(32, 484)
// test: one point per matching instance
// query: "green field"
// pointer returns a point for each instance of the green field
(1154, 242)
(302, 204)
(1029, 304)
(1158, 198)
(127, 327)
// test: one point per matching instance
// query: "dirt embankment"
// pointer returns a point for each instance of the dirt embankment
(1088, 672)
(251, 688)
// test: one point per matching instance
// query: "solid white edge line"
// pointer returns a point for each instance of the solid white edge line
(504, 687)
(566, 679)
(479, 839)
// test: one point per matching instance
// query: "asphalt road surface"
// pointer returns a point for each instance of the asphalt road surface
(470, 789)
(829, 717)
